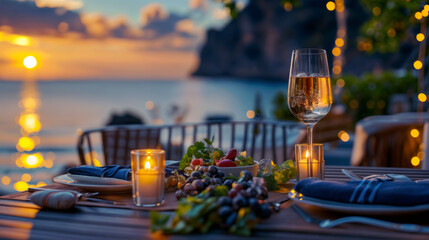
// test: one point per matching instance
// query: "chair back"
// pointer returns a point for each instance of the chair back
(261, 139)
(425, 164)
(389, 140)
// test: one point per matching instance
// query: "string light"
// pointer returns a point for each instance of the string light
(415, 161)
(418, 65)
(422, 97)
(330, 6)
(339, 42)
(418, 15)
(420, 37)
(414, 133)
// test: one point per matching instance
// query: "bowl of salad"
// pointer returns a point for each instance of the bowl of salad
(230, 162)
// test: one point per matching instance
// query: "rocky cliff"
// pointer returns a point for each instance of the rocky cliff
(259, 42)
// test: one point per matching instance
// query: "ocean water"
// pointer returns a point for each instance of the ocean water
(63, 107)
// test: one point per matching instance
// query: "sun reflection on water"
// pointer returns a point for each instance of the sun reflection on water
(29, 121)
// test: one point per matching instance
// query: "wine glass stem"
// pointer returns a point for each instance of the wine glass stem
(310, 147)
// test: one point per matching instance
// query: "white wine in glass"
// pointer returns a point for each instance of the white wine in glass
(309, 90)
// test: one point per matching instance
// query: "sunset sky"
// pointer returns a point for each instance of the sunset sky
(104, 39)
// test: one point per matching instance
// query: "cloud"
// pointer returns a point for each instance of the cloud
(157, 22)
(153, 12)
(28, 18)
(81, 45)
(198, 4)
(67, 4)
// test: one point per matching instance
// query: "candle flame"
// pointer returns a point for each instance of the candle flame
(147, 165)
(307, 154)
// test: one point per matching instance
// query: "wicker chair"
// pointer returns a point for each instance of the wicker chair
(261, 139)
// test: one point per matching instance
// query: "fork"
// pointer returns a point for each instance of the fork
(404, 227)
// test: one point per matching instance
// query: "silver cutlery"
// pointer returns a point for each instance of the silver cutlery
(80, 196)
(276, 205)
(351, 174)
(388, 177)
(403, 227)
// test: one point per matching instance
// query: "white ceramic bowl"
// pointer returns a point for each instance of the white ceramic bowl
(235, 171)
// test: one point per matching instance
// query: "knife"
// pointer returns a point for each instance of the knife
(102, 201)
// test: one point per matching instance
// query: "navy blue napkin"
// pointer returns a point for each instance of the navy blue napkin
(111, 171)
(397, 193)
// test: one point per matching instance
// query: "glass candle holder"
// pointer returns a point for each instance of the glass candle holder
(306, 168)
(148, 177)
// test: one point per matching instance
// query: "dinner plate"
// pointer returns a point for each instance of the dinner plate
(358, 209)
(97, 180)
(103, 185)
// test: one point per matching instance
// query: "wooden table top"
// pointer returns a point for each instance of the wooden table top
(20, 219)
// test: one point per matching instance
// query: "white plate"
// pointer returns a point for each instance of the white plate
(103, 187)
(235, 171)
(97, 180)
(358, 209)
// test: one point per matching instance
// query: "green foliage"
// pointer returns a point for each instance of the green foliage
(389, 24)
(270, 181)
(231, 5)
(369, 95)
(199, 150)
(245, 161)
(281, 108)
(199, 214)
(196, 150)
(274, 174)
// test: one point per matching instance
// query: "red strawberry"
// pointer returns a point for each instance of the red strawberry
(227, 163)
(231, 154)
(197, 161)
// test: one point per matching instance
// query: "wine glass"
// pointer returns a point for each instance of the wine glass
(309, 90)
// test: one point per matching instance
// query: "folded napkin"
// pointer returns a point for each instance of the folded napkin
(111, 171)
(374, 191)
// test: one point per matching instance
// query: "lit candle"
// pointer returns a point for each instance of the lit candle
(308, 168)
(148, 182)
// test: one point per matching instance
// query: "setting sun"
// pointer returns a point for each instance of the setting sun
(30, 62)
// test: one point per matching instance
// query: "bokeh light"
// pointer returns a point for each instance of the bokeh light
(30, 122)
(339, 42)
(26, 177)
(149, 105)
(422, 97)
(420, 37)
(418, 15)
(5, 180)
(250, 114)
(336, 51)
(336, 69)
(414, 133)
(330, 6)
(21, 41)
(344, 136)
(30, 62)
(288, 6)
(25, 144)
(415, 161)
(376, 11)
(20, 186)
(418, 65)
(340, 83)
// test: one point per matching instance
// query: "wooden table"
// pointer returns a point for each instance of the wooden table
(23, 220)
